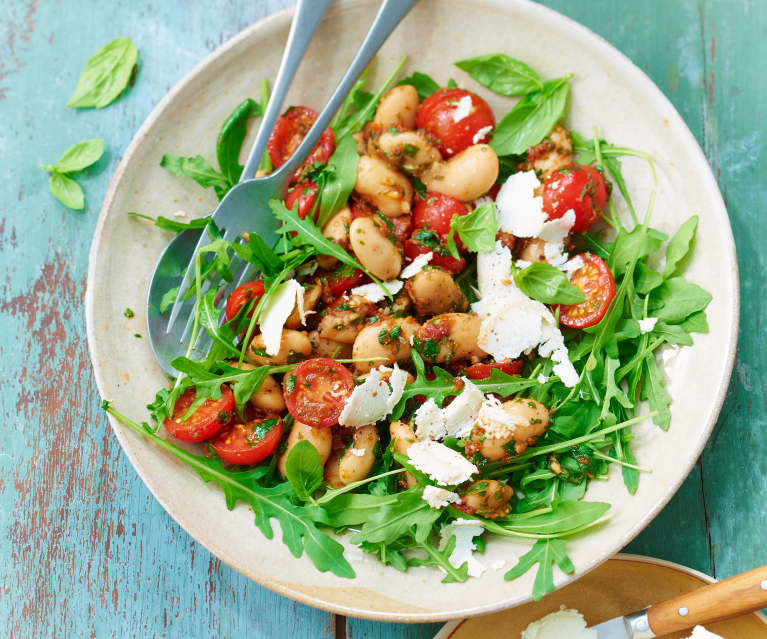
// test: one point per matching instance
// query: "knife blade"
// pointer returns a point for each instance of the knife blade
(633, 626)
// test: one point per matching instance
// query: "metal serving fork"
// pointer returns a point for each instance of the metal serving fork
(245, 206)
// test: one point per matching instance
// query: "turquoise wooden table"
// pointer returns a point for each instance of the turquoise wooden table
(85, 549)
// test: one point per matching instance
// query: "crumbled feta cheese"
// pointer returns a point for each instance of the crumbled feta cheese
(373, 400)
(699, 632)
(462, 108)
(574, 264)
(520, 212)
(499, 565)
(481, 134)
(461, 413)
(542, 379)
(647, 324)
(416, 265)
(444, 465)
(357, 452)
(179, 214)
(493, 420)
(277, 310)
(374, 293)
(439, 497)
(429, 421)
(563, 623)
(464, 531)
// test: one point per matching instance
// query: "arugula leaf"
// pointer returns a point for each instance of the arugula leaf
(257, 252)
(67, 191)
(532, 118)
(342, 171)
(676, 299)
(696, 323)
(174, 225)
(351, 509)
(441, 558)
(78, 156)
(672, 334)
(631, 246)
(566, 517)
(574, 419)
(646, 279)
(502, 74)
(477, 230)
(679, 245)
(197, 169)
(656, 394)
(424, 84)
(547, 284)
(231, 136)
(545, 553)
(612, 389)
(394, 518)
(300, 532)
(303, 469)
(106, 75)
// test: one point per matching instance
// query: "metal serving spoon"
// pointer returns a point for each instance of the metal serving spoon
(245, 206)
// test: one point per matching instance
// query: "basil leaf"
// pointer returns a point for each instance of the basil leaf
(303, 469)
(532, 118)
(231, 136)
(80, 156)
(342, 174)
(477, 230)
(548, 284)
(502, 74)
(676, 299)
(423, 84)
(105, 75)
(197, 169)
(67, 191)
(679, 245)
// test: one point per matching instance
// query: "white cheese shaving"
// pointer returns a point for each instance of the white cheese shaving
(374, 293)
(647, 324)
(416, 265)
(278, 308)
(464, 531)
(462, 109)
(373, 400)
(574, 264)
(439, 497)
(481, 133)
(558, 625)
(555, 254)
(542, 379)
(444, 465)
(699, 632)
(455, 420)
(179, 214)
(520, 212)
(357, 452)
(555, 231)
(493, 420)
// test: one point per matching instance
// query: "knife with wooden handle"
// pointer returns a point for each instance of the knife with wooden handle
(735, 596)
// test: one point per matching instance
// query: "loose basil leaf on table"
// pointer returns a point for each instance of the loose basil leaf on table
(106, 75)
(548, 284)
(502, 74)
(80, 156)
(67, 191)
(532, 118)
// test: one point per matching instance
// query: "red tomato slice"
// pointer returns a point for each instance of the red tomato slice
(241, 296)
(247, 444)
(291, 127)
(482, 371)
(578, 187)
(437, 114)
(305, 193)
(316, 390)
(598, 285)
(207, 419)
(337, 286)
(414, 248)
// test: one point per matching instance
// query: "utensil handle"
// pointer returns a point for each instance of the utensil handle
(388, 17)
(308, 15)
(735, 596)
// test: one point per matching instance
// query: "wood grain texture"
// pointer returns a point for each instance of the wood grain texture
(85, 549)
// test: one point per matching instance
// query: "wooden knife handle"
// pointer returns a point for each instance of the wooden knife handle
(735, 596)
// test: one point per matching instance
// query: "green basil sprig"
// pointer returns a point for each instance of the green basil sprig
(75, 158)
(477, 230)
(341, 176)
(547, 284)
(424, 84)
(502, 74)
(106, 75)
(532, 118)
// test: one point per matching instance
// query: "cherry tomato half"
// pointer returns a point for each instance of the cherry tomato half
(442, 115)
(435, 210)
(482, 371)
(415, 247)
(241, 296)
(291, 127)
(247, 444)
(207, 419)
(315, 392)
(596, 282)
(578, 187)
(338, 285)
(305, 193)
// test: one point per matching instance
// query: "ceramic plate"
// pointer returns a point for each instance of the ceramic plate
(618, 587)
(607, 90)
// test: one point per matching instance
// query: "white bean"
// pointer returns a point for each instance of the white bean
(293, 345)
(377, 340)
(353, 467)
(466, 176)
(434, 291)
(398, 106)
(320, 438)
(374, 249)
(385, 188)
